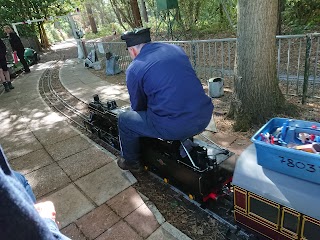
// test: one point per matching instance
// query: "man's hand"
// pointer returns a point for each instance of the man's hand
(46, 210)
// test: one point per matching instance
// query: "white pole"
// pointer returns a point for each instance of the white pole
(15, 28)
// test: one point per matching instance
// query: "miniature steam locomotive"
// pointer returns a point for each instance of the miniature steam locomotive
(191, 165)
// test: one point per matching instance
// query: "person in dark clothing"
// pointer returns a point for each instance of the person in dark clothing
(16, 46)
(20, 217)
(4, 73)
(167, 99)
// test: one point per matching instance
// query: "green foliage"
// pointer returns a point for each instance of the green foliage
(301, 15)
(20, 11)
(58, 31)
(105, 30)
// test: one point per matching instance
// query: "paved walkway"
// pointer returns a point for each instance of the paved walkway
(94, 199)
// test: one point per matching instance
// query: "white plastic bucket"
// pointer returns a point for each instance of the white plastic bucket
(215, 87)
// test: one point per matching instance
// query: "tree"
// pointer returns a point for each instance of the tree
(91, 18)
(257, 95)
(136, 13)
(144, 11)
(127, 12)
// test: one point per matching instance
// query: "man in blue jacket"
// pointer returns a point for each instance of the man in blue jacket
(167, 98)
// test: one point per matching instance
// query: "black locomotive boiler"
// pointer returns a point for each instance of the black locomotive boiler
(191, 165)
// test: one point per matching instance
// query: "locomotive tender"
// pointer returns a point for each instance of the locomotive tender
(268, 203)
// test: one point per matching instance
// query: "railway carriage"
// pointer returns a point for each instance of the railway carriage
(274, 205)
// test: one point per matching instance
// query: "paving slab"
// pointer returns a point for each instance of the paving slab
(36, 108)
(35, 122)
(92, 84)
(54, 133)
(31, 161)
(9, 98)
(105, 183)
(26, 97)
(8, 109)
(125, 202)
(13, 125)
(97, 221)
(112, 91)
(47, 179)
(168, 232)
(70, 204)
(73, 232)
(75, 88)
(84, 162)
(67, 147)
(119, 231)
(19, 144)
(155, 212)
(143, 221)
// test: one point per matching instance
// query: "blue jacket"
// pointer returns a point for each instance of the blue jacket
(18, 217)
(161, 81)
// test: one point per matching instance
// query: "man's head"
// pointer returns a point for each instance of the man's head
(136, 39)
(7, 29)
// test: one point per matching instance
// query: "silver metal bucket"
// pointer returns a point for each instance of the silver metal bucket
(215, 87)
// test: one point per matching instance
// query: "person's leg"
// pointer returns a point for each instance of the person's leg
(7, 75)
(2, 77)
(3, 80)
(25, 184)
(132, 126)
(20, 54)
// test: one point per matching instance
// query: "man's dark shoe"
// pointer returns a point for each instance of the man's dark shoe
(28, 71)
(124, 165)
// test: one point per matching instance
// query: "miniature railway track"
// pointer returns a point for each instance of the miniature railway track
(53, 92)
(76, 111)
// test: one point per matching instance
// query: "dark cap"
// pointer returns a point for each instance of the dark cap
(136, 37)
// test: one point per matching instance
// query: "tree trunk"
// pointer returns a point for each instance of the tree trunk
(136, 13)
(144, 11)
(43, 36)
(257, 95)
(281, 6)
(91, 19)
(221, 12)
(118, 16)
(121, 14)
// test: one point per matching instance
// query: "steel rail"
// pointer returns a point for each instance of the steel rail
(48, 75)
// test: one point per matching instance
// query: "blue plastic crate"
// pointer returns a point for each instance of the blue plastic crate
(280, 158)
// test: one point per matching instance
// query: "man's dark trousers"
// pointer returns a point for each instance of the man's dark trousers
(20, 54)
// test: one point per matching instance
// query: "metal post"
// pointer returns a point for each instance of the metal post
(306, 69)
(194, 55)
(288, 65)
(15, 28)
